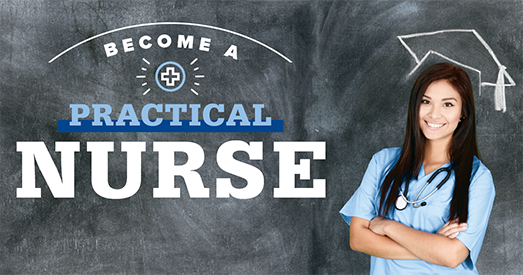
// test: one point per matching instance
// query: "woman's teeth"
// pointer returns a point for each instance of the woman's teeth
(435, 125)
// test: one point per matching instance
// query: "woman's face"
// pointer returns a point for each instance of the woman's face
(440, 112)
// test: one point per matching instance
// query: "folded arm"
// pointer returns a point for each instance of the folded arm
(362, 239)
(433, 248)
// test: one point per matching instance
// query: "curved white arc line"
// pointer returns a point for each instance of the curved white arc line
(171, 23)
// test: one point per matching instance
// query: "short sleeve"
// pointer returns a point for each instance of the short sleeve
(363, 203)
(481, 199)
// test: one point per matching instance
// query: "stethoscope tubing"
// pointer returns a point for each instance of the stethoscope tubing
(444, 169)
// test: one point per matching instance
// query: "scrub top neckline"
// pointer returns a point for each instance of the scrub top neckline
(422, 174)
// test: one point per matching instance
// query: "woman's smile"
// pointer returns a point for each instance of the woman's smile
(435, 125)
(440, 111)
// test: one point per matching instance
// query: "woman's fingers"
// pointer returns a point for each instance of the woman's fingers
(451, 229)
(375, 225)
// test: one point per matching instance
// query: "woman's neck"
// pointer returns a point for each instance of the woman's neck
(436, 154)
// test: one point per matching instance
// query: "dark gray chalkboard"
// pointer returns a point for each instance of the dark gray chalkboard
(347, 85)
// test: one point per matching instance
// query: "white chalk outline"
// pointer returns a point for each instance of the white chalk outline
(195, 69)
(499, 91)
(144, 76)
(171, 23)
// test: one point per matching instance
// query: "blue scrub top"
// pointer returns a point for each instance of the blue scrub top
(430, 218)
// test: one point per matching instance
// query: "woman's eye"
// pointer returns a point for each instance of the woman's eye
(448, 104)
(424, 101)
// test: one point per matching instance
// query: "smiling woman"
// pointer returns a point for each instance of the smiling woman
(440, 112)
(433, 229)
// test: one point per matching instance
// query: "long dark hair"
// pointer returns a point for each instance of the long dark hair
(462, 148)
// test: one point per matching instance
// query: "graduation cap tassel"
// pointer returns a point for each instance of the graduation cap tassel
(499, 92)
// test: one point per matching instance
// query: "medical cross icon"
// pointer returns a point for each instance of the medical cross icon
(170, 76)
(173, 77)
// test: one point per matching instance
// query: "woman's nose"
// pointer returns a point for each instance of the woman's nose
(435, 112)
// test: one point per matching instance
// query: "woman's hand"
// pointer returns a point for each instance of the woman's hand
(377, 225)
(365, 240)
(452, 228)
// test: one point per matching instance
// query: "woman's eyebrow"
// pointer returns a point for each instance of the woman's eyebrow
(444, 99)
(449, 98)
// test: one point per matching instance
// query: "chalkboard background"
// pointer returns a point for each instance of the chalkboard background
(347, 85)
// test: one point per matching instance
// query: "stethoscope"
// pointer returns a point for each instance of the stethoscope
(402, 201)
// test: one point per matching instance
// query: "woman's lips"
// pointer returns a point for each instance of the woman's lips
(434, 125)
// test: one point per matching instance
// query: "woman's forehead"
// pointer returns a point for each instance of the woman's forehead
(441, 89)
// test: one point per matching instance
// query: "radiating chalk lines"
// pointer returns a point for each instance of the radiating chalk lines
(172, 23)
(144, 76)
(499, 91)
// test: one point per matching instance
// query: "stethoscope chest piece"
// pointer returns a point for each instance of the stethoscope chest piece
(401, 203)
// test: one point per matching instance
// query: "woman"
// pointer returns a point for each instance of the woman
(397, 215)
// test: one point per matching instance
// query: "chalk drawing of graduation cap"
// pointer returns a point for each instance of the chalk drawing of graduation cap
(465, 48)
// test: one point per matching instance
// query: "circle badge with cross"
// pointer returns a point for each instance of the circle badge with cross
(171, 78)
